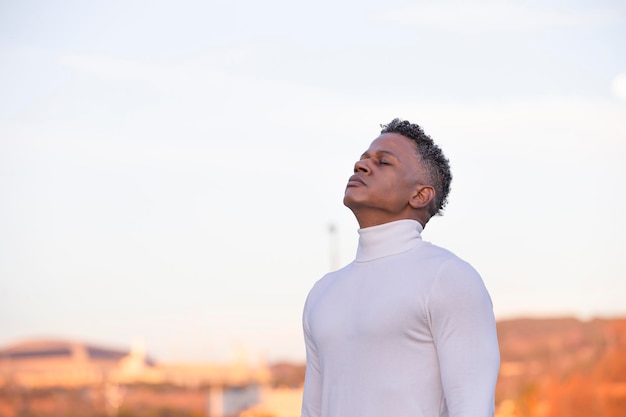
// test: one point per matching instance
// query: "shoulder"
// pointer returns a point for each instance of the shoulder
(458, 289)
(324, 284)
(445, 260)
(452, 274)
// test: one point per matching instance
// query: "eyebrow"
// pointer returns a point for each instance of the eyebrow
(380, 151)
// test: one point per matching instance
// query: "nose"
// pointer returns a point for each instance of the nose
(361, 166)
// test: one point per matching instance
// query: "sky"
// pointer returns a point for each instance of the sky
(170, 171)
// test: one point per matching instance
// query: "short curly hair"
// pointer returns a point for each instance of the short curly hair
(436, 164)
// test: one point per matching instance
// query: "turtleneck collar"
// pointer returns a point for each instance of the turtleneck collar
(388, 239)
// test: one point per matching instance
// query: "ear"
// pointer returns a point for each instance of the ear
(422, 196)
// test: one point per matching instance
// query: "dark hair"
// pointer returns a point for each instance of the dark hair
(436, 164)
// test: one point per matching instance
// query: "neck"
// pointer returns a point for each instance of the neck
(388, 239)
(370, 219)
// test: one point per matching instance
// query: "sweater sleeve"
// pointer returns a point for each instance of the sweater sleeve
(464, 331)
(312, 396)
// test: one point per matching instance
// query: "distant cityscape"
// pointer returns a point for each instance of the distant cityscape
(549, 368)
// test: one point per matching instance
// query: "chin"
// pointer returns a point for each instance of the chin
(351, 202)
(347, 200)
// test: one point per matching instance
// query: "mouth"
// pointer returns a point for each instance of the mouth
(355, 181)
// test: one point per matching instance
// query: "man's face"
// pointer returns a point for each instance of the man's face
(384, 179)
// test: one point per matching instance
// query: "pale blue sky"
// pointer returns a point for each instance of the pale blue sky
(168, 170)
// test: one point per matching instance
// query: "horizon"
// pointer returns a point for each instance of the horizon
(240, 353)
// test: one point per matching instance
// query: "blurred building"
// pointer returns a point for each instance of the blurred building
(116, 378)
(63, 363)
(59, 363)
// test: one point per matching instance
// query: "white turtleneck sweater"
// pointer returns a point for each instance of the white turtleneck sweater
(405, 330)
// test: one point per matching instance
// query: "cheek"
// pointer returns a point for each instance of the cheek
(395, 192)
(402, 189)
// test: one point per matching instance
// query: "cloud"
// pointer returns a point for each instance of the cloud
(194, 74)
(618, 86)
(491, 16)
(199, 100)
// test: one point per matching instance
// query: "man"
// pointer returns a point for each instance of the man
(407, 329)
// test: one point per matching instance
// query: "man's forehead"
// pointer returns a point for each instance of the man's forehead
(391, 143)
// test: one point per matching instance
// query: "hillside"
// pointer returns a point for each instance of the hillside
(562, 367)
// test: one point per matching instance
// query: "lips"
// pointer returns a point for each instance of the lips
(355, 180)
